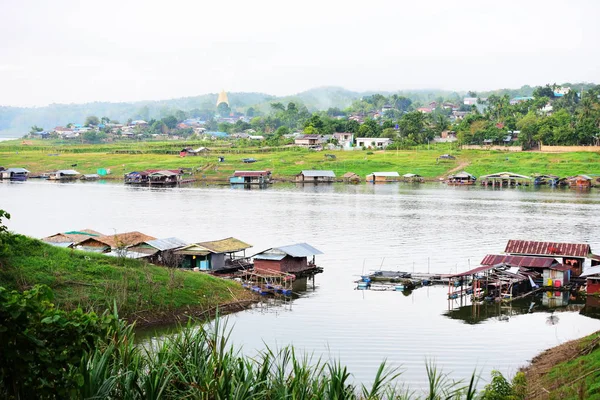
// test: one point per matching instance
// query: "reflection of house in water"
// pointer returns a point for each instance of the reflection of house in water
(219, 255)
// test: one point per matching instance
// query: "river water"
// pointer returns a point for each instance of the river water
(359, 228)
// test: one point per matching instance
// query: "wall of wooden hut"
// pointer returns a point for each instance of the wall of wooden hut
(593, 285)
(287, 264)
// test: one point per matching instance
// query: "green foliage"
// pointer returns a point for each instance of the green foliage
(3, 235)
(42, 346)
(92, 120)
(500, 389)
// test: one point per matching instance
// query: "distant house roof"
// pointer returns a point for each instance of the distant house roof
(313, 173)
(463, 174)
(120, 239)
(166, 244)
(67, 172)
(251, 173)
(411, 175)
(386, 174)
(17, 170)
(72, 236)
(505, 175)
(350, 175)
(229, 245)
(165, 172)
(294, 250)
(310, 137)
(519, 261)
(579, 250)
(127, 254)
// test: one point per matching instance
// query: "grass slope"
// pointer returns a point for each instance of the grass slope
(570, 371)
(285, 163)
(94, 281)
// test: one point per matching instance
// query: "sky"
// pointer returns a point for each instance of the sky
(74, 51)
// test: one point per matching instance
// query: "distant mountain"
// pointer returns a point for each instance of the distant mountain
(17, 121)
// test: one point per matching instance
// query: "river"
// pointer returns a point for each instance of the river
(359, 228)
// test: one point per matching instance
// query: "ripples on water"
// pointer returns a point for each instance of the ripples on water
(359, 228)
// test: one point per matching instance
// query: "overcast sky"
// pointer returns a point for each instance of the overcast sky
(64, 51)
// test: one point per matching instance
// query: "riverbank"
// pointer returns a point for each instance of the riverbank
(144, 293)
(285, 163)
(568, 371)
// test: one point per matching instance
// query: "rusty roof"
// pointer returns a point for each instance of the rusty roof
(72, 236)
(121, 239)
(580, 250)
(519, 261)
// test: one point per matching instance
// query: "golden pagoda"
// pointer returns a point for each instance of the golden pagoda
(222, 98)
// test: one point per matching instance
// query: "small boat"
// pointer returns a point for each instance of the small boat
(90, 177)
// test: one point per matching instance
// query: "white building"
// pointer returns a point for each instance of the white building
(373, 143)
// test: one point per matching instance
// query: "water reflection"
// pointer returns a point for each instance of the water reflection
(553, 302)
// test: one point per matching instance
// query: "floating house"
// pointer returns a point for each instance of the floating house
(14, 174)
(414, 178)
(117, 242)
(67, 239)
(462, 178)
(90, 177)
(164, 177)
(551, 272)
(160, 251)
(501, 179)
(580, 182)
(378, 177)
(219, 255)
(592, 276)
(540, 179)
(315, 176)
(137, 178)
(63, 175)
(351, 177)
(251, 177)
(290, 259)
(573, 255)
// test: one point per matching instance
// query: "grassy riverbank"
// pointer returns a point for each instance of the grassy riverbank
(142, 292)
(570, 371)
(286, 162)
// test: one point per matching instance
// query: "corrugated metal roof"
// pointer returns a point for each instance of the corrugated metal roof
(387, 174)
(126, 254)
(67, 172)
(268, 255)
(167, 244)
(505, 175)
(463, 174)
(299, 250)
(411, 175)
(61, 244)
(580, 250)
(251, 173)
(317, 173)
(473, 271)
(16, 170)
(591, 271)
(519, 261)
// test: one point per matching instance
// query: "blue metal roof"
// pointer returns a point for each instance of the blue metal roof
(267, 255)
(166, 244)
(299, 250)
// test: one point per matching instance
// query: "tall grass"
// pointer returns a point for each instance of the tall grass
(200, 363)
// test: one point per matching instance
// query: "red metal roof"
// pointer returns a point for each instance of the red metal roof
(251, 173)
(580, 250)
(519, 261)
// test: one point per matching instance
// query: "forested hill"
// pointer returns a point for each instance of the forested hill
(17, 121)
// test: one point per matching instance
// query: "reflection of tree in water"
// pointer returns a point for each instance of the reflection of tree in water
(552, 319)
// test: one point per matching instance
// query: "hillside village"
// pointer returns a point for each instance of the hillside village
(552, 115)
